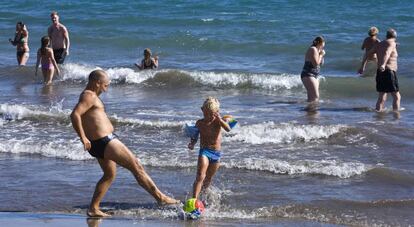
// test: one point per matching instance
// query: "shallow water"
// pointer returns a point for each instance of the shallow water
(342, 164)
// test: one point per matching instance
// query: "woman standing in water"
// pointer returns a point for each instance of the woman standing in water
(367, 45)
(45, 56)
(21, 42)
(313, 61)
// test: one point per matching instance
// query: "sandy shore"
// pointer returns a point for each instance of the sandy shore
(18, 219)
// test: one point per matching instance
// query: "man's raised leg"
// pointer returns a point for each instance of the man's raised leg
(119, 153)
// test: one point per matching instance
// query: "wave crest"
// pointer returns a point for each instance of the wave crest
(180, 78)
(270, 132)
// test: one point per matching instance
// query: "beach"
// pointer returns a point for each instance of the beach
(342, 164)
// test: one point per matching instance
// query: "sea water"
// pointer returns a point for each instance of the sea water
(341, 164)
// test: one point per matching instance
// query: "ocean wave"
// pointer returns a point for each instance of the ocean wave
(13, 112)
(321, 167)
(172, 77)
(270, 132)
(71, 149)
(18, 112)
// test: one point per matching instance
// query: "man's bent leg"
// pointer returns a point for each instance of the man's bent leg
(119, 153)
(109, 169)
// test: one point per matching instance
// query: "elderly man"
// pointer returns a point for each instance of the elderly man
(96, 133)
(386, 79)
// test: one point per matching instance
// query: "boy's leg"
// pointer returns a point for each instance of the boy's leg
(119, 153)
(211, 171)
(202, 166)
(109, 169)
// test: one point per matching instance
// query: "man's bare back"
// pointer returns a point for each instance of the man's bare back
(368, 44)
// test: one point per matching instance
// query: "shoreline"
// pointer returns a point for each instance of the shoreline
(30, 219)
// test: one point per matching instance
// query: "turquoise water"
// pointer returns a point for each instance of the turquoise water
(343, 164)
(252, 36)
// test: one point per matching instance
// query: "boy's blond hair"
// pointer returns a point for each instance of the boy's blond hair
(212, 104)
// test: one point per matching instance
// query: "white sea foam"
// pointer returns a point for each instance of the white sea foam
(207, 19)
(72, 149)
(323, 167)
(265, 81)
(58, 148)
(215, 79)
(270, 132)
(17, 111)
(150, 123)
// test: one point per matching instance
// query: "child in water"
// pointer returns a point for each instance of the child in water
(210, 144)
(45, 56)
(148, 62)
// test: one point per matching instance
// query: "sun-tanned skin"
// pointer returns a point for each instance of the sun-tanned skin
(387, 55)
(91, 123)
(210, 137)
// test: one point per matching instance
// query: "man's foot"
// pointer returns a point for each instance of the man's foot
(97, 213)
(168, 200)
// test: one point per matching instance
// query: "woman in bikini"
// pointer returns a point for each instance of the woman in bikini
(313, 61)
(21, 42)
(46, 58)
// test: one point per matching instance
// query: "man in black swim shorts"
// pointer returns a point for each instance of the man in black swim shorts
(92, 124)
(59, 36)
(386, 79)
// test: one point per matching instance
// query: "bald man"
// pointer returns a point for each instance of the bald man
(96, 133)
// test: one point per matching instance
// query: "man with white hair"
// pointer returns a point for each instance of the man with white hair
(386, 79)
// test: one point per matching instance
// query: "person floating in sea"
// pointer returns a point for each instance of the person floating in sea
(369, 42)
(314, 58)
(386, 79)
(210, 144)
(46, 58)
(97, 136)
(59, 36)
(148, 62)
(21, 41)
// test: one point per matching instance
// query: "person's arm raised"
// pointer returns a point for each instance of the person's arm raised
(222, 123)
